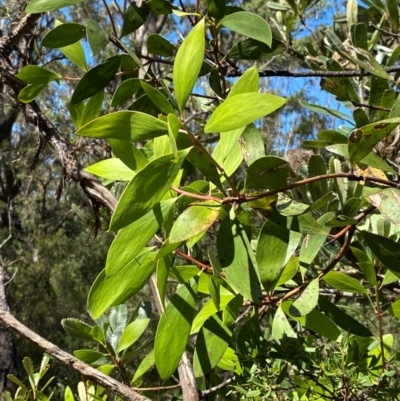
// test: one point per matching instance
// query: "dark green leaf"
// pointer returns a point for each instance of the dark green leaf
(156, 44)
(97, 36)
(64, 35)
(96, 79)
(251, 49)
(237, 260)
(93, 107)
(158, 98)
(174, 328)
(146, 189)
(128, 153)
(125, 91)
(134, 18)
(78, 329)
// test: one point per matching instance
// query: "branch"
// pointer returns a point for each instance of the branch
(304, 74)
(86, 370)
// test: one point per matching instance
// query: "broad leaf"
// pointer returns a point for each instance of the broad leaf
(281, 326)
(251, 49)
(128, 153)
(146, 189)
(132, 333)
(188, 61)
(174, 328)
(194, 220)
(247, 83)
(241, 110)
(237, 260)
(64, 35)
(343, 282)
(33, 74)
(307, 300)
(41, 6)
(249, 24)
(97, 36)
(156, 44)
(112, 169)
(125, 91)
(128, 125)
(78, 329)
(96, 79)
(388, 203)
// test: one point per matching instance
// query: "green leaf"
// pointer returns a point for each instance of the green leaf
(146, 189)
(78, 329)
(232, 310)
(188, 62)
(128, 125)
(174, 328)
(128, 153)
(326, 110)
(393, 9)
(289, 207)
(156, 44)
(248, 24)
(289, 271)
(388, 203)
(237, 260)
(269, 172)
(108, 291)
(134, 18)
(74, 52)
(316, 167)
(252, 144)
(363, 139)
(251, 49)
(97, 36)
(194, 220)
(307, 300)
(146, 363)
(247, 83)
(342, 319)
(64, 35)
(173, 131)
(241, 110)
(211, 344)
(281, 326)
(385, 250)
(41, 6)
(96, 79)
(90, 357)
(112, 169)
(343, 282)
(276, 244)
(93, 107)
(160, 7)
(30, 92)
(33, 74)
(125, 91)
(158, 98)
(132, 239)
(394, 309)
(132, 333)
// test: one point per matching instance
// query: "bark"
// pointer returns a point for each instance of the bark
(7, 350)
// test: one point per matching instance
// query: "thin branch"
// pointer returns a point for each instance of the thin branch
(194, 261)
(111, 18)
(195, 196)
(205, 393)
(384, 31)
(86, 370)
(305, 74)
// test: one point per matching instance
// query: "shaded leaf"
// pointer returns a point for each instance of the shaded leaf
(97, 36)
(156, 44)
(251, 49)
(64, 35)
(134, 18)
(281, 327)
(343, 282)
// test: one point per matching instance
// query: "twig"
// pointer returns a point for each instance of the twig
(86, 370)
(205, 393)
(193, 260)
(195, 196)
(111, 18)
(384, 31)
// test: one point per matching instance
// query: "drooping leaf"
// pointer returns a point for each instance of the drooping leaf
(211, 344)
(41, 6)
(128, 125)
(108, 291)
(342, 319)
(188, 61)
(64, 35)
(275, 246)
(388, 202)
(131, 240)
(241, 110)
(134, 18)
(249, 24)
(326, 110)
(128, 153)
(96, 79)
(174, 328)
(146, 189)
(385, 250)
(97, 36)
(237, 259)
(307, 300)
(194, 220)
(281, 326)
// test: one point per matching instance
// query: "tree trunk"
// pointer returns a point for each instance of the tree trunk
(7, 350)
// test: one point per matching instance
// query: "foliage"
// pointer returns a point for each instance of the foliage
(250, 256)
